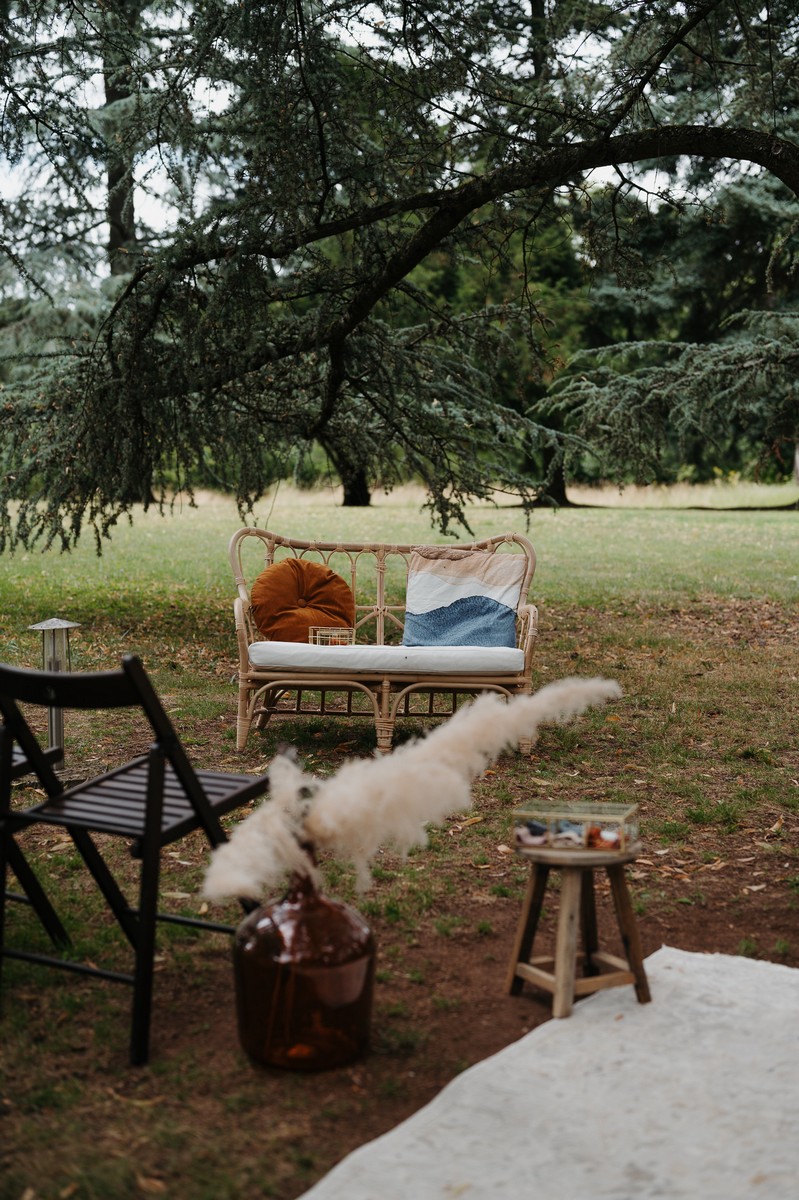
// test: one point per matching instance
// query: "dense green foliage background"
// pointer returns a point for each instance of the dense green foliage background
(236, 232)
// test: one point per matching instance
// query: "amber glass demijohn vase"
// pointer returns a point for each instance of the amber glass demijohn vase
(304, 971)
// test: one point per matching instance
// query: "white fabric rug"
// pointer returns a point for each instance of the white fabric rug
(695, 1095)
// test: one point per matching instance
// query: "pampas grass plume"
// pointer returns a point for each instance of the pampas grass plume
(389, 800)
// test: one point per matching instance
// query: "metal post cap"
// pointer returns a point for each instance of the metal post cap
(55, 623)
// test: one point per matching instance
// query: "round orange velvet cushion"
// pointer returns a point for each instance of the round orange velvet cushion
(292, 595)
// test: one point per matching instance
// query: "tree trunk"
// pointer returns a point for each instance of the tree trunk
(352, 474)
(119, 85)
(555, 492)
(356, 488)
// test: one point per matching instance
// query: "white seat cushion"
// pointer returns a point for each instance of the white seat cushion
(412, 660)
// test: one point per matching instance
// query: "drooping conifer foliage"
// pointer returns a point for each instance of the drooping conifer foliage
(218, 217)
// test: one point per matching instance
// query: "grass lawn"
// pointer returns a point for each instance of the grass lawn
(695, 612)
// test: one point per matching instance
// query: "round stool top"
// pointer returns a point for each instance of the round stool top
(565, 856)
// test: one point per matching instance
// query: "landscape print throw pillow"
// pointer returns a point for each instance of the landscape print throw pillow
(462, 597)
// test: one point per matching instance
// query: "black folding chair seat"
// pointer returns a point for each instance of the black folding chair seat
(116, 803)
(20, 765)
(152, 801)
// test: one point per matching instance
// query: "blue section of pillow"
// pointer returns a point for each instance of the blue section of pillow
(470, 621)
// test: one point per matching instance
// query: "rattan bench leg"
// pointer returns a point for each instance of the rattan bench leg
(243, 718)
(384, 724)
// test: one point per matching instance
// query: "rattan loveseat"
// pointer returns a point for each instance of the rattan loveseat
(376, 676)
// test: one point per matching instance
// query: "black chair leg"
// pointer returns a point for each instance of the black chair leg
(37, 896)
(3, 884)
(146, 919)
(145, 956)
(107, 884)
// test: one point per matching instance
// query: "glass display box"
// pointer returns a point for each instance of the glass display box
(330, 635)
(576, 825)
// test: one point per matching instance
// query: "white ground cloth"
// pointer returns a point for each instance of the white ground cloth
(695, 1095)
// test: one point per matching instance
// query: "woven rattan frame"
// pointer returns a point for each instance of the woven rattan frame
(367, 566)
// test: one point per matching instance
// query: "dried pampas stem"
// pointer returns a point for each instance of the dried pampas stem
(369, 803)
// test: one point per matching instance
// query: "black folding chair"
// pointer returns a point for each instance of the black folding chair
(152, 800)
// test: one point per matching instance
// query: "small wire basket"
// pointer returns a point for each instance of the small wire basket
(327, 635)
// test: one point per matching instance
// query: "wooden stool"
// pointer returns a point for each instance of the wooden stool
(601, 970)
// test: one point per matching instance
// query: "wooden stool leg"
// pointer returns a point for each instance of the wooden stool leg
(566, 942)
(628, 928)
(528, 923)
(588, 922)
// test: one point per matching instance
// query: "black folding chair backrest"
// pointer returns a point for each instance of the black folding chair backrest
(128, 687)
(50, 689)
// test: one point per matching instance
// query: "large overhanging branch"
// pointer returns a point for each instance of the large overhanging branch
(561, 166)
(553, 168)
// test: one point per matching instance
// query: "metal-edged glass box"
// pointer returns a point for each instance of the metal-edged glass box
(331, 635)
(576, 825)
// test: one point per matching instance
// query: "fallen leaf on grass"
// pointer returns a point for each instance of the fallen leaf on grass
(131, 1100)
(503, 849)
(755, 887)
(459, 826)
(150, 1185)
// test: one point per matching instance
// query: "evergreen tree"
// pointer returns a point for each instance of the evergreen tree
(674, 282)
(310, 157)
